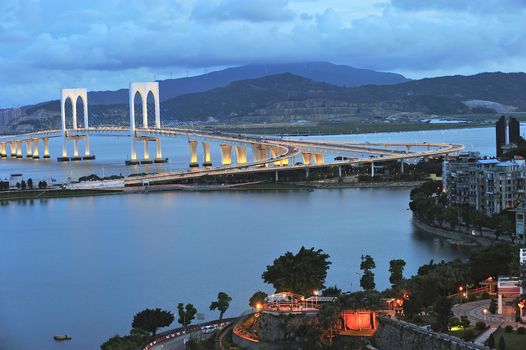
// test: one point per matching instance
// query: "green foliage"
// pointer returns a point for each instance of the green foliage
(454, 322)
(521, 330)
(492, 306)
(186, 314)
(329, 317)
(468, 335)
(464, 322)
(502, 344)
(367, 279)
(491, 341)
(222, 303)
(480, 325)
(443, 310)
(508, 329)
(361, 300)
(301, 273)
(137, 339)
(257, 297)
(30, 183)
(396, 267)
(332, 292)
(151, 319)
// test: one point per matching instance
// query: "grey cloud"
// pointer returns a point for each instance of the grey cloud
(252, 11)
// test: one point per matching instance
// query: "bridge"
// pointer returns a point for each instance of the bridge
(268, 153)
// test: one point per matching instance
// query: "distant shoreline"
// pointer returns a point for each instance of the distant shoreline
(285, 186)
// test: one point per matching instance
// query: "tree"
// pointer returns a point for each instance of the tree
(491, 341)
(186, 314)
(367, 279)
(493, 260)
(443, 310)
(137, 339)
(257, 298)
(329, 317)
(332, 292)
(502, 343)
(30, 183)
(301, 273)
(492, 307)
(222, 303)
(151, 319)
(23, 185)
(396, 267)
(464, 322)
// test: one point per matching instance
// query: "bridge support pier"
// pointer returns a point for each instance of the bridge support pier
(402, 166)
(35, 149)
(318, 159)
(3, 150)
(12, 146)
(306, 158)
(274, 152)
(19, 149)
(29, 149)
(146, 153)
(372, 169)
(87, 153)
(45, 141)
(241, 155)
(75, 150)
(193, 154)
(207, 161)
(226, 154)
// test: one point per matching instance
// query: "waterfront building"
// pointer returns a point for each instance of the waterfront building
(507, 134)
(487, 185)
(7, 115)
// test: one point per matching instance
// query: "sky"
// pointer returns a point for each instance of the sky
(47, 45)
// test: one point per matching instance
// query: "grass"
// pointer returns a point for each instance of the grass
(514, 341)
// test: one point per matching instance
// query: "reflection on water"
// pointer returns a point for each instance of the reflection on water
(85, 266)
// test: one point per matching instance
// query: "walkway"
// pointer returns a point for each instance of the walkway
(475, 312)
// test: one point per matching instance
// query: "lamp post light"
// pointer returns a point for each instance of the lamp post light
(460, 289)
(485, 314)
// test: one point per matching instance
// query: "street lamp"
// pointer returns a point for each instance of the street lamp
(460, 289)
(485, 314)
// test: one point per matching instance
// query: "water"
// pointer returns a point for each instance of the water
(85, 266)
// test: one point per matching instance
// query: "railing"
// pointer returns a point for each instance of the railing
(174, 333)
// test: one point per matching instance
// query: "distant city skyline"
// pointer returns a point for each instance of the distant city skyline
(103, 45)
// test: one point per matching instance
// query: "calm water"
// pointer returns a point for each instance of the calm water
(85, 266)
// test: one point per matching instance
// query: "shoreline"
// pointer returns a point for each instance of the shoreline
(252, 186)
(455, 237)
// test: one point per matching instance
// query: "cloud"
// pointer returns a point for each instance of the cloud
(107, 43)
(251, 11)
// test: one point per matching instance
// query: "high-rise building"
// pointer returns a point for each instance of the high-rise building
(500, 129)
(507, 134)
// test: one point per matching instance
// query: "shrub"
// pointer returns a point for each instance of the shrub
(469, 334)
(417, 319)
(521, 330)
(491, 341)
(484, 295)
(454, 322)
(480, 325)
(472, 297)
(508, 329)
(493, 306)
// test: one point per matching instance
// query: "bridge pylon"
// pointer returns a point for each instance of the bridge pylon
(75, 133)
(143, 89)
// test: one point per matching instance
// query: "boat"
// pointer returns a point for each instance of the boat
(62, 337)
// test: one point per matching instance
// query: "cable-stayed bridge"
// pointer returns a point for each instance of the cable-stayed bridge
(145, 128)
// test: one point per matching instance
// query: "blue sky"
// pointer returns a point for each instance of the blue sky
(104, 44)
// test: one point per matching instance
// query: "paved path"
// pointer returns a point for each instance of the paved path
(481, 339)
(475, 312)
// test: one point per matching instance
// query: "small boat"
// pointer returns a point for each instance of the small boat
(62, 337)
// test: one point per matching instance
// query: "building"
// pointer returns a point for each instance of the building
(506, 140)
(509, 288)
(487, 185)
(520, 226)
(7, 115)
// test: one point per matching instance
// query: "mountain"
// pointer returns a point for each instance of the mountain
(290, 95)
(339, 75)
